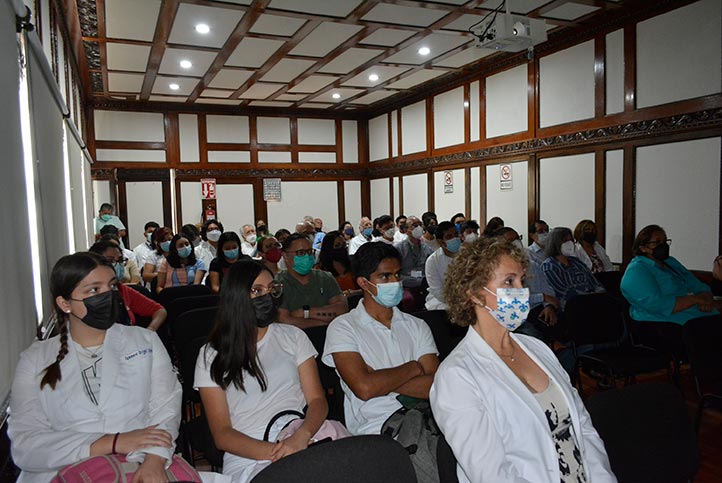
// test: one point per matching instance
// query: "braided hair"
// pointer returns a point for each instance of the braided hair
(67, 273)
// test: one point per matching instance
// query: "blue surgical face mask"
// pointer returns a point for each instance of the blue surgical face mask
(458, 227)
(453, 245)
(303, 264)
(231, 254)
(512, 306)
(184, 252)
(149, 236)
(119, 270)
(388, 294)
(105, 217)
(165, 246)
(368, 231)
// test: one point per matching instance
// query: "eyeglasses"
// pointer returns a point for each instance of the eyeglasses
(123, 261)
(275, 289)
(300, 253)
(652, 244)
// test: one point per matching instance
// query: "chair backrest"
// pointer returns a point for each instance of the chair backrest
(446, 335)
(647, 432)
(193, 324)
(595, 319)
(358, 459)
(184, 304)
(169, 294)
(611, 281)
(188, 355)
(702, 339)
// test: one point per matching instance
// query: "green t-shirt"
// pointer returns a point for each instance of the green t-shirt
(319, 290)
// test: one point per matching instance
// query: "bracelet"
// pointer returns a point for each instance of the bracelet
(115, 440)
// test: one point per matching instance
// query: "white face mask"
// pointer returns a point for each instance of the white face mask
(417, 232)
(517, 243)
(512, 307)
(213, 235)
(542, 239)
(567, 248)
(471, 238)
(251, 238)
(390, 233)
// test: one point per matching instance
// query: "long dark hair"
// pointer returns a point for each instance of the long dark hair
(173, 258)
(158, 237)
(67, 273)
(235, 331)
(227, 236)
(327, 255)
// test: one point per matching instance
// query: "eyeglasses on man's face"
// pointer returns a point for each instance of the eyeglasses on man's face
(300, 253)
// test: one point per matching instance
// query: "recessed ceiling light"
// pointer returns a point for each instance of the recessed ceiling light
(373, 77)
(186, 64)
(202, 28)
(336, 95)
(174, 86)
(424, 51)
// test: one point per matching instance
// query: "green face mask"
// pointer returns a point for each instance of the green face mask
(303, 264)
(105, 217)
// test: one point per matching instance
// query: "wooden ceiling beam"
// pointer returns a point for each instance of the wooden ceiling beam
(166, 17)
(71, 20)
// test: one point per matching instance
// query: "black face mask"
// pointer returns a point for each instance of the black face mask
(431, 229)
(661, 252)
(589, 237)
(103, 309)
(265, 309)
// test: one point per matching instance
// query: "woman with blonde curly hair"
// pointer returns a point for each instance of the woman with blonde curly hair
(502, 400)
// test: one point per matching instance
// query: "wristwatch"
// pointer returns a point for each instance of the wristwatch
(306, 311)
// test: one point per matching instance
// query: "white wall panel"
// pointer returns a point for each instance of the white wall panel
(566, 85)
(234, 206)
(274, 157)
(191, 204)
(678, 188)
(229, 156)
(309, 157)
(131, 155)
(101, 194)
(614, 71)
(394, 133)
(129, 126)
(227, 129)
(397, 205)
(380, 198)
(449, 118)
(678, 54)
(296, 203)
(274, 130)
(614, 193)
(379, 138)
(352, 202)
(145, 203)
(566, 189)
(474, 108)
(317, 131)
(188, 128)
(413, 128)
(510, 205)
(350, 141)
(507, 108)
(447, 204)
(416, 199)
(476, 199)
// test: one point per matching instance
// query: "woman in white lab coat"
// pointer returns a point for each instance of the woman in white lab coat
(97, 388)
(502, 400)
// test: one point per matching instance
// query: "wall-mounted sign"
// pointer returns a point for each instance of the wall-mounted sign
(505, 181)
(208, 188)
(448, 182)
(272, 189)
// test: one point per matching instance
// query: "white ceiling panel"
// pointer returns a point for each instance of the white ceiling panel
(171, 62)
(452, 2)
(349, 60)
(277, 25)
(437, 42)
(167, 98)
(223, 102)
(335, 8)
(416, 78)
(286, 70)
(313, 83)
(316, 105)
(472, 54)
(324, 38)
(252, 52)
(387, 37)
(230, 78)
(222, 21)
(216, 93)
(185, 85)
(385, 72)
(131, 19)
(570, 11)
(270, 104)
(373, 97)
(260, 90)
(344, 92)
(516, 6)
(127, 57)
(124, 82)
(291, 97)
(239, 2)
(402, 15)
(463, 23)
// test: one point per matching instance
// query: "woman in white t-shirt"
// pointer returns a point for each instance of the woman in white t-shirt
(252, 369)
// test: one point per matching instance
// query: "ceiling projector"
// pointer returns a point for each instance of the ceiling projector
(510, 33)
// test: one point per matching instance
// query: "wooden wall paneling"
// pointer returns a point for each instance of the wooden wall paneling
(482, 194)
(629, 202)
(430, 190)
(294, 141)
(482, 109)
(630, 68)
(89, 124)
(260, 209)
(121, 205)
(389, 136)
(178, 205)
(341, 199)
(253, 136)
(533, 189)
(391, 196)
(202, 139)
(467, 180)
(168, 205)
(172, 139)
(338, 126)
(600, 190)
(365, 196)
(157, 146)
(429, 126)
(362, 136)
(600, 78)
(398, 133)
(467, 115)
(401, 195)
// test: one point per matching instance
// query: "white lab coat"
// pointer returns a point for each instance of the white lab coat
(494, 425)
(581, 254)
(50, 429)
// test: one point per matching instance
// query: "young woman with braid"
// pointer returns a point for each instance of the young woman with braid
(97, 388)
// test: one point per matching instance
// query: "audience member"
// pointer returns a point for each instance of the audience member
(306, 228)
(539, 234)
(251, 370)
(401, 229)
(469, 231)
(248, 240)
(229, 252)
(281, 235)
(430, 222)
(146, 248)
(384, 229)
(161, 240)
(261, 229)
(588, 250)
(334, 259)
(310, 297)
(492, 226)
(180, 266)
(319, 233)
(413, 254)
(270, 253)
(365, 228)
(105, 218)
(502, 400)
(211, 232)
(457, 220)
(128, 271)
(193, 234)
(346, 229)
(111, 232)
(438, 262)
(567, 275)
(60, 414)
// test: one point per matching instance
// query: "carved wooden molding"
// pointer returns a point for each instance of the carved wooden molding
(272, 173)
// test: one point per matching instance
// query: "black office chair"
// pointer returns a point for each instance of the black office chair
(329, 379)
(596, 320)
(170, 294)
(611, 281)
(647, 433)
(703, 339)
(193, 324)
(446, 335)
(358, 459)
(184, 304)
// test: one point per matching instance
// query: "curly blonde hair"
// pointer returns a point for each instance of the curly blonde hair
(471, 270)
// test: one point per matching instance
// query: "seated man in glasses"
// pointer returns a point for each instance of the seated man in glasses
(311, 298)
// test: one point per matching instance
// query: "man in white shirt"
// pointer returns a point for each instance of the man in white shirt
(384, 229)
(438, 262)
(401, 231)
(147, 247)
(248, 240)
(106, 217)
(379, 351)
(538, 232)
(365, 228)
(430, 223)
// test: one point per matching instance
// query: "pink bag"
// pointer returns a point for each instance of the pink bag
(115, 469)
(329, 429)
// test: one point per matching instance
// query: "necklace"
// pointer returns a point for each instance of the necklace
(510, 356)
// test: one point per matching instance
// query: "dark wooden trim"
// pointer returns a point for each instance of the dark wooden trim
(533, 192)
(341, 200)
(167, 205)
(430, 194)
(391, 197)
(401, 194)
(166, 17)
(90, 131)
(482, 194)
(365, 197)
(155, 146)
(338, 134)
(121, 202)
(600, 78)
(390, 133)
(630, 68)
(429, 112)
(362, 135)
(260, 208)
(600, 191)
(629, 185)
(467, 191)
(178, 206)
(202, 139)
(172, 138)
(533, 98)
(398, 133)
(294, 142)
(467, 114)
(253, 137)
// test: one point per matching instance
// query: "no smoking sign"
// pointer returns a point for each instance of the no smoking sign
(505, 177)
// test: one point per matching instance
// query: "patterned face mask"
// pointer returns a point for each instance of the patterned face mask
(512, 306)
